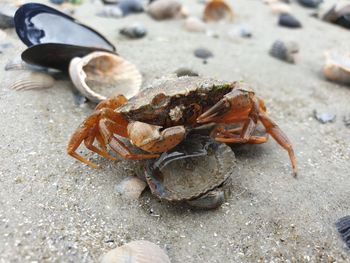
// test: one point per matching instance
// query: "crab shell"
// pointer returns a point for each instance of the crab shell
(194, 168)
(169, 101)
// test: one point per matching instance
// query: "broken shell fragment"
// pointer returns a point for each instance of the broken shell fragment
(165, 9)
(99, 75)
(28, 80)
(140, 251)
(216, 10)
(194, 24)
(337, 67)
(131, 187)
(286, 51)
(211, 200)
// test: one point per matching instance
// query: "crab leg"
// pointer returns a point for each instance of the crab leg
(282, 139)
(89, 144)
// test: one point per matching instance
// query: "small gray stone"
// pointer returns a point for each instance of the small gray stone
(186, 72)
(134, 31)
(203, 53)
(324, 117)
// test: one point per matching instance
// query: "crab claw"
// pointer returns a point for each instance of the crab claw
(218, 109)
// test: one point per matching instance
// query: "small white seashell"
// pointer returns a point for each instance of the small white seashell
(165, 9)
(101, 74)
(280, 8)
(131, 187)
(337, 67)
(140, 251)
(194, 24)
(27, 80)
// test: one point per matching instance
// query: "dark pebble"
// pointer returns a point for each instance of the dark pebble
(130, 6)
(346, 120)
(343, 227)
(310, 3)
(203, 53)
(181, 72)
(6, 16)
(288, 20)
(324, 117)
(57, 2)
(136, 31)
(285, 51)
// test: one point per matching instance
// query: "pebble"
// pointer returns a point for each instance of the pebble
(194, 24)
(203, 53)
(130, 6)
(111, 11)
(57, 2)
(4, 46)
(287, 20)
(241, 31)
(131, 187)
(346, 120)
(324, 117)
(181, 72)
(165, 9)
(310, 3)
(285, 51)
(7, 13)
(135, 31)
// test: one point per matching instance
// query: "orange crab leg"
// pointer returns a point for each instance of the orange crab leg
(280, 137)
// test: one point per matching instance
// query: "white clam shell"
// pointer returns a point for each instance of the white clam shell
(131, 187)
(27, 80)
(107, 72)
(337, 67)
(140, 251)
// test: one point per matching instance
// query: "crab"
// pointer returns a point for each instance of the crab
(158, 119)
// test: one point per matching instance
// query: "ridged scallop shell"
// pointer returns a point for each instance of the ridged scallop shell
(101, 74)
(28, 80)
(196, 166)
(216, 10)
(337, 67)
(140, 251)
(286, 51)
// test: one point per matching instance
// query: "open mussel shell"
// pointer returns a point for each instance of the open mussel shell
(55, 55)
(196, 166)
(337, 67)
(37, 23)
(101, 74)
(140, 251)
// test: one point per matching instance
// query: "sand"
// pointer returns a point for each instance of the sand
(55, 209)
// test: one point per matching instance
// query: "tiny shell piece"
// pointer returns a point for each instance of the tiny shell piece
(165, 9)
(194, 24)
(337, 67)
(131, 187)
(280, 8)
(140, 251)
(286, 51)
(107, 72)
(27, 80)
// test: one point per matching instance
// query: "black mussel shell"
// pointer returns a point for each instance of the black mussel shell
(55, 55)
(340, 17)
(37, 24)
(288, 20)
(343, 227)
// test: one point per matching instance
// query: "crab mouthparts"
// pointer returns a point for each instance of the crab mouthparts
(219, 108)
